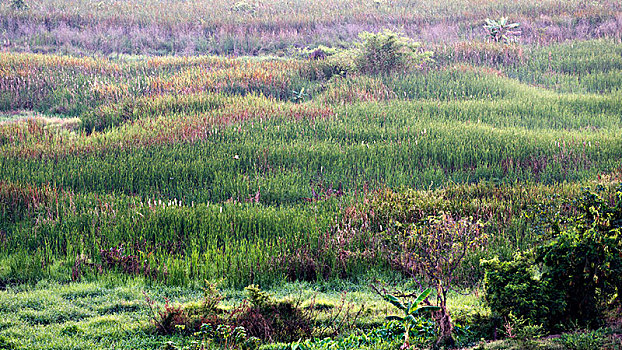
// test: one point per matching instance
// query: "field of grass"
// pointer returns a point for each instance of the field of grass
(141, 172)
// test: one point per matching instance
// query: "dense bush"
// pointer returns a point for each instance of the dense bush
(387, 52)
(585, 263)
(514, 287)
(570, 280)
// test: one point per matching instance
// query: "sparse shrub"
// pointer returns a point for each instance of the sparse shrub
(387, 51)
(435, 250)
(259, 316)
(272, 320)
(169, 318)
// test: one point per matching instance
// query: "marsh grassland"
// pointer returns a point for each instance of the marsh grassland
(268, 175)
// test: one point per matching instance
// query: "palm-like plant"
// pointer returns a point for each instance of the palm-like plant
(412, 311)
(502, 30)
(19, 4)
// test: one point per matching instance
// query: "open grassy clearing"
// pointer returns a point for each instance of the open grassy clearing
(105, 314)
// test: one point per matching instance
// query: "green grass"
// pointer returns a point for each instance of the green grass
(107, 313)
(167, 176)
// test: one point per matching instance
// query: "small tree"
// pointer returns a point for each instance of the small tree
(435, 252)
(385, 52)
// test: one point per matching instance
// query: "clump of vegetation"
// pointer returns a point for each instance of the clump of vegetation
(271, 320)
(386, 52)
(257, 318)
(435, 251)
(583, 340)
(244, 7)
(571, 280)
(19, 4)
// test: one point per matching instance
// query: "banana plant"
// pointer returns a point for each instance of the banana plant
(412, 311)
(299, 96)
(502, 30)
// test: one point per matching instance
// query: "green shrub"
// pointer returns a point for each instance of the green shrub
(513, 287)
(572, 279)
(585, 263)
(386, 52)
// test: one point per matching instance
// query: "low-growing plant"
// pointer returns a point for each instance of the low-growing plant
(272, 320)
(387, 336)
(522, 331)
(583, 340)
(412, 311)
(19, 4)
(168, 319)
(225, 337)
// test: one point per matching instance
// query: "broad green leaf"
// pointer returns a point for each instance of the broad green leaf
(393, 300)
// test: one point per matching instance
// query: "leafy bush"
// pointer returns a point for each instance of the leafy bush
(386, 52)
(573, 278)
(585, 263)
(513, 287)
